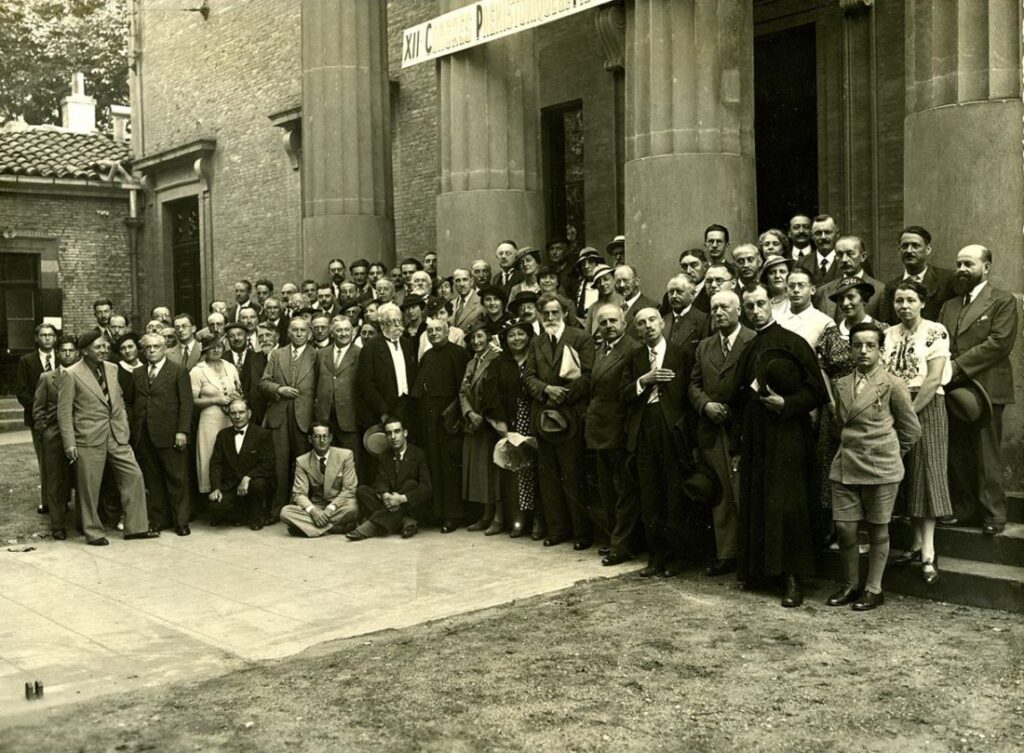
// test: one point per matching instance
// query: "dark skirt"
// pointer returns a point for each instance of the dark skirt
(480, 482)
(926, 484)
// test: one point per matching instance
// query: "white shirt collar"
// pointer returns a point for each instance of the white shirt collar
(977, 289)
(831, 255)
(634, 299)
(51, 355)
(659, 348)
(298, 351)
(682, 313)
(157, 366)
(919, 276)
(731, 338)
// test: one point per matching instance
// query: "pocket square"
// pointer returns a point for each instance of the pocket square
(983, 318)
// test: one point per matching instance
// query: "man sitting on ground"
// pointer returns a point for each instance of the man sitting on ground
(324, 492)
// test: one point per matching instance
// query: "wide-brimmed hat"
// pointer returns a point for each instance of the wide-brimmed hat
(969, 403)
(701, 486)
(557, 425)
(526, 251)
(600, 271)
(375, 440)
(589, 253)
(774, 261)
(518, 323)
(780, 371)
(618, 240)
(523, 296)
(495, 290)
(413, 299)
(849, 283)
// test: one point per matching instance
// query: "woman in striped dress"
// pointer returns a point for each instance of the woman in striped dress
(917, 351)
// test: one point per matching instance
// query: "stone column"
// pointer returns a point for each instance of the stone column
(346, 140)
(489, 125)
(689, 128)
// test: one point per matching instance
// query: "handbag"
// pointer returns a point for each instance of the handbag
(451, 418)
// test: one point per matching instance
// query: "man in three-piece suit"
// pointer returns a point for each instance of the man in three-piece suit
(401, 492)
(982, 322)
(289, 381)
(559, 387)
(915, 252)
(387, 371)
(54, 469)
(160, 408)
(324, 491)
(94, 429)
(241, 471)
(713, 383)
(654, 387)
(850, 259)
(335, 404)
(31, 366)
(605, 434)
(684, 324)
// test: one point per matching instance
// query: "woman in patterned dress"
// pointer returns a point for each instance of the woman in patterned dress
(215, 384)
(917, 351)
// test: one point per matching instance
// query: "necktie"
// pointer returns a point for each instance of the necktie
(337, 358)
(458, 306)
(102, 379)
(241, 358)
(824, 267)
(725, 347)
(323, 464)
(152, 374)
(967, 300)
(653, 354)
(295, 355)
(49, 363)
(858, 386)
(554, 343)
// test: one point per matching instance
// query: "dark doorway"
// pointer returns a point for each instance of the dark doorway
(562, 128)
(183, 218)
(786, 125)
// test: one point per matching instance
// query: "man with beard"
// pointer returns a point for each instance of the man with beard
(336, 270)
(778, 478)
(799, 234)
(387, 369)
(982, 322)
(716, 243)
(850, 259)
(915, 253)
(430, 264)
(822, 264)
(684, 324)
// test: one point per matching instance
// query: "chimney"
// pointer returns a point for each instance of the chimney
(78, 111)
(121, 115)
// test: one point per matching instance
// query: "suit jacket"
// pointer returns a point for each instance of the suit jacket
(829, 308)
(671, 395)
(514, 278)
(605, 424)
(689, 330)
(280, 372)
(336, 485)
(643, 302)
(590, 321)
(177, 354)
(982, 338)
(876, 429)
(410, 476)
(86, 418)
(255, 460)
(44, 404)
(715, 379)
(377, 385)
(163, 408)
(702, 302)
(471, 310)
(30, 368)
(937, 281)
(336, 387)
(542, 367)
(810, 263)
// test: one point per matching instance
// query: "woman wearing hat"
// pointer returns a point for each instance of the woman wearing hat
(917, 351)
(215, 384)
(506, 404)
(480, 482)
(528, 263)
(494, 300)
(774, 273)
(604, 283)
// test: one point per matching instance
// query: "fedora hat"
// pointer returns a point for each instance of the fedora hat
(968, 402)
(702, 486)
(780, 371)
(375, 440)
(510, 457)
(556, 425)
(774, 261)
(618, 240)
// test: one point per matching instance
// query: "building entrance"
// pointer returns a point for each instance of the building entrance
(184, 226)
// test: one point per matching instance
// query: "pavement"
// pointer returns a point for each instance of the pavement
(87, 621)
(15, 437)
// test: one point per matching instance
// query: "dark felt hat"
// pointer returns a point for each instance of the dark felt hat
(413, 300)
(234, 325)
(523, 296)
(969, 403)
(88, 338)
(780, 371)
(494, 290)
(849, 283)
(701, 486)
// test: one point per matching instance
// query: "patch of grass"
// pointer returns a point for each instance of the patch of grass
(19, 492)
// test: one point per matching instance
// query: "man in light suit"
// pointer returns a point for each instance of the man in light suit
(160, 408)
(241, 471)
(324, 492)
(915, 253)
(877, 425)
(982, 322)
(94, 429)
(54, 470)
(335, 404)
(466, 306)
(289, 381)
(850, 259)
(712, 385)
(684, 324)
(605, 434)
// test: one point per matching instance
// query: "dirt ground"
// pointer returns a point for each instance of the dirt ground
(19, 494)
(688, 664)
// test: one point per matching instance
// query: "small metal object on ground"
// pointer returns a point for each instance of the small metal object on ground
(39, 689)
(30, 691)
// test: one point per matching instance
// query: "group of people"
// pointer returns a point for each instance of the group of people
(770, 396)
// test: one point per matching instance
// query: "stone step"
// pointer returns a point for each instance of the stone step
(1006, 548)
(961, 581)
(11, 424)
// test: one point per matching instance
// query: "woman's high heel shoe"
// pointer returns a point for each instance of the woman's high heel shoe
(909, 557)
(929, 571)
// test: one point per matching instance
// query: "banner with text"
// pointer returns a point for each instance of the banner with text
(480, 22)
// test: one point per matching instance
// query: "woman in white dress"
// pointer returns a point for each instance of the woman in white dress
(215, 384)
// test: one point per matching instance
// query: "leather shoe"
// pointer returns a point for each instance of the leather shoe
(615, 558)
(555, 540)
(581, 545)
(256, 525)
(722, 567)
(183, 530)
(793, 592)
(929, 571)
(868, 601)
(43, 510)
(409, 531)
(652, 569)
(101, 541)
(355, 535)
(670, 571)
(448, 526)
(518, 527)
(142, 535)
(991, 529)
(294, 531)
(842, 597)
(343, 528)
(948, 520)
(604, 551)
(59, 534)
(907, 558)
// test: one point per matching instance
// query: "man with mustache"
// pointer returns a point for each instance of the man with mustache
(982, 322)
(822, 264)
(915, 253)
(851, 256)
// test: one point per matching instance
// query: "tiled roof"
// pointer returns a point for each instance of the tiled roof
(56, 153)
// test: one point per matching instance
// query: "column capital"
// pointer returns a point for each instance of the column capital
(855, 6)
(610, 23)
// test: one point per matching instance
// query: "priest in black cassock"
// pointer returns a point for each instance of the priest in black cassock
(435, 391)
(780, 384)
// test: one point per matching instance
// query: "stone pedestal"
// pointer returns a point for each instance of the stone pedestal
(346, 165)
(689, 128)
(489, 126)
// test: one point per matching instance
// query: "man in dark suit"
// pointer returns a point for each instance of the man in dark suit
(160, 406)
(712, 386)
(31, 366)
(557, 375)
(273, 316)
(822, 264)
(915, 252)
(289, 381)
(387, 370)
(605, 434)
(54, 471)
(654, 387)
(243, 299)
(850, 259)
(684, 324)
(507, 275)
(102, 310)
(241, 471)
(335, 404)
(401, 491)
(694, 264)
(982, 322)
(627, 284)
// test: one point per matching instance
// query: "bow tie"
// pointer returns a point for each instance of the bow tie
(239, 431)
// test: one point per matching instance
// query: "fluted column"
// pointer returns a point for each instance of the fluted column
(346, 161)
(689, 127)
(489, 125)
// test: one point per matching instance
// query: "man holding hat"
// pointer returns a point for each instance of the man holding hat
(982, 322)
(94, 428)
(850, 259)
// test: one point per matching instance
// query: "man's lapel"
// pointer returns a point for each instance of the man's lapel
(978, 306)
(88, 378)
(868, 395)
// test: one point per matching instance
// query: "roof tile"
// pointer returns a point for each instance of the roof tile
(57, 153)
